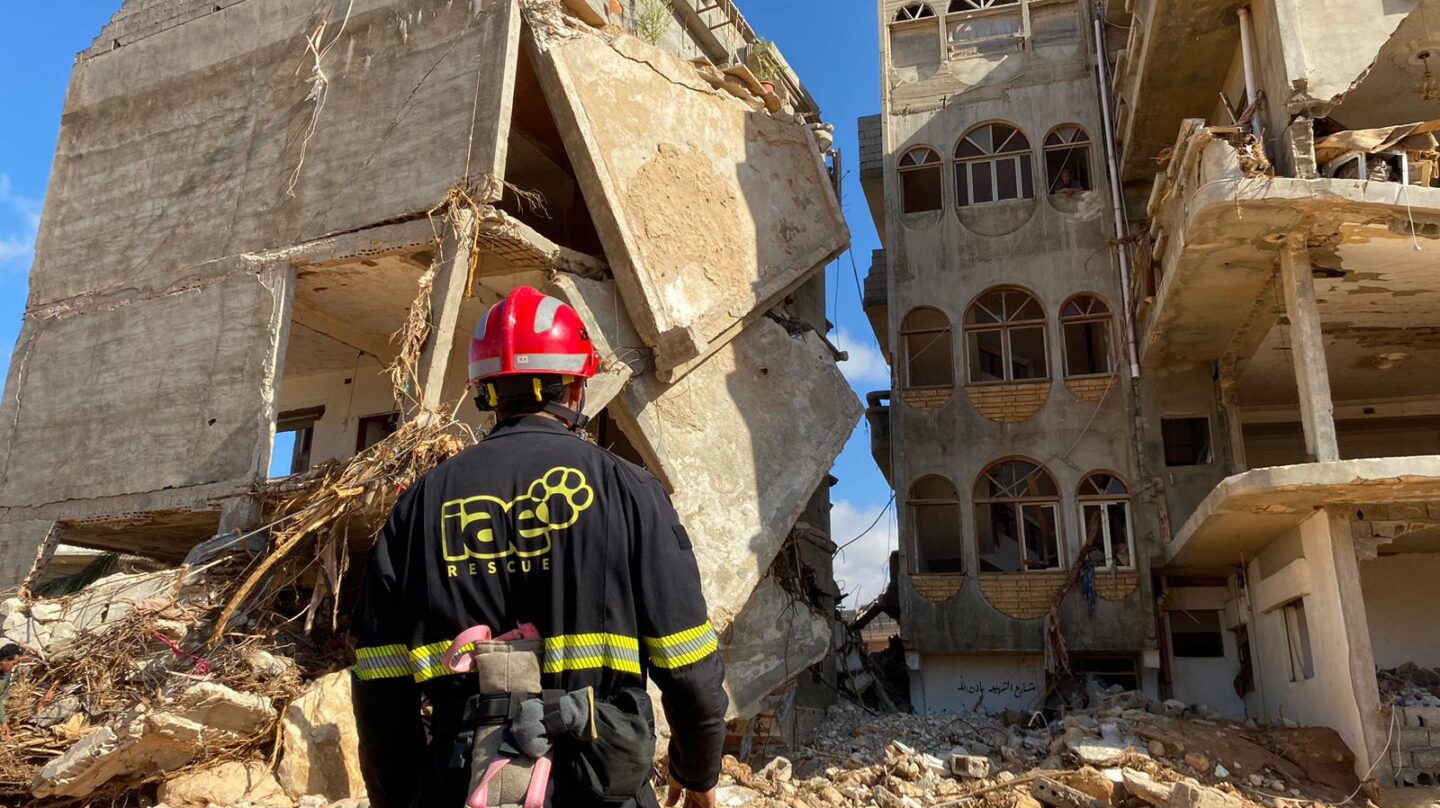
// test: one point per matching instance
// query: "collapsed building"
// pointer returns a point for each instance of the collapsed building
(1155, 288)
(229, 242)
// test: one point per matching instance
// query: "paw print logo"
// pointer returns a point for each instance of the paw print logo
(559, 497)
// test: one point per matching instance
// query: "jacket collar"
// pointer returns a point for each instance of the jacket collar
(526, 424)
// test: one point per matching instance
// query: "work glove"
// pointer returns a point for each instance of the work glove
(530, 733)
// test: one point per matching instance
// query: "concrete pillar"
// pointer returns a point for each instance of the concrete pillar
(1229, 405)
(1361, 657)
(1307, 350)
(445, 298)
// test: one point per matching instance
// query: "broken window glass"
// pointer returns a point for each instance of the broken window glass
(1067, 159)
(929, 350)
(993, 164)
(920, 180)
(1085, 321)
(1005, 337)
(1105, 517)
(914, 11)
(1017, 518)
(935, 510)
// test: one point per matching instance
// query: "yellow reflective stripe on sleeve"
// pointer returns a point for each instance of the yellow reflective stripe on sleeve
(382, 662)
(575, 652)
(683, 647)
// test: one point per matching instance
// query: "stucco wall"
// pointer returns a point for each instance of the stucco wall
(1334, 697)
(1401, 598)
(988, 684)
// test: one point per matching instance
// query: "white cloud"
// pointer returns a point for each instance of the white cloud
(862, 569)
(866, 366)
(17, 244)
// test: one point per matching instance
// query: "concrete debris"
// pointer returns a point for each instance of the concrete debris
(226, 784)
(868, 760)
(1411, 685)
(320, 747)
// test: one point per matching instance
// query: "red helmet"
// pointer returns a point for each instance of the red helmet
(530, 333)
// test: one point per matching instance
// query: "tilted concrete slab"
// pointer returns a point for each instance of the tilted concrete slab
(191, 145)
(107, 403)
(774, 639)
(743, 441)
(710, 211)
(1249, 510)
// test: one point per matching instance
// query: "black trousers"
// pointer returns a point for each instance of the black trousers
(449, 787)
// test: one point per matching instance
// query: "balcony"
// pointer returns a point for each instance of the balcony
(876, 301)
(872, 168)
(1219, 222)
(877, 415)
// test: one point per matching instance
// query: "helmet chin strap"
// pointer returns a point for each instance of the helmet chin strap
(573, 419)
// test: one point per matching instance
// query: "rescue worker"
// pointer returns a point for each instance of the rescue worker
(532, 525)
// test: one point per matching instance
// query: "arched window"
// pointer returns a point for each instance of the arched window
(929, 350)
(1067, 159)
(1105, 514)
(993, 163)
(1017, 518)
(914, 11)
(1085, 321)
(1005, 337)
(961, 6)
(935, 517)
(920, 180)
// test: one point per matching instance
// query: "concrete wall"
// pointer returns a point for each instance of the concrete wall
(1173, 393)
(945, 259)
(989, 683)
(1204, 680)
(1400, 598)
(1342, 694)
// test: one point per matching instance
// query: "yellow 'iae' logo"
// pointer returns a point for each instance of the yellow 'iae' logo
(553, 502)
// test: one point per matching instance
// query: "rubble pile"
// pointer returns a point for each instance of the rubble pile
(1410, 685)
(1125, 751)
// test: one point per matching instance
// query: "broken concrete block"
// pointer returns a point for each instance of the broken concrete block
(1140, 785)
(710, 212)
(725, 438)
(774, 639)
(57, 712)
(144, 744)
(971, 767)
(221, 708)
(320, 743)
(1091, 781)
(1193, 795)
(226, 784)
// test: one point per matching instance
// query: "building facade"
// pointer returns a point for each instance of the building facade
(1249, 256)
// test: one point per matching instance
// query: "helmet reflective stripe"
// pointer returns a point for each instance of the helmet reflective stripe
(545, 314)
(535, 363)
(484, 367)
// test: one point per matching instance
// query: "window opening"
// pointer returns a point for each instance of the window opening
(1196, 634)
(375, 428)
(1187, 441)
(1297, 632)
(1105, 513)
(1085, 323)
(929, 352)
(294, 438)
(920, 170)
(1067, 160)
(1017, 508)
(914, 11)
(935, 511)
(993, 164)
(1005, 338)
(961, 6)
(1107, 670)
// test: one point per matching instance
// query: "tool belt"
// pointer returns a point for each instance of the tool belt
(599, 750)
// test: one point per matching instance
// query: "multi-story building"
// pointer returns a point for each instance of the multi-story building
(1231, 321)
(1011, 422)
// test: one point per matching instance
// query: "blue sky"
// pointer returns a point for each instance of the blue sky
(832, 45)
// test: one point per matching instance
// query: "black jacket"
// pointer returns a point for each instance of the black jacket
(532, 525)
